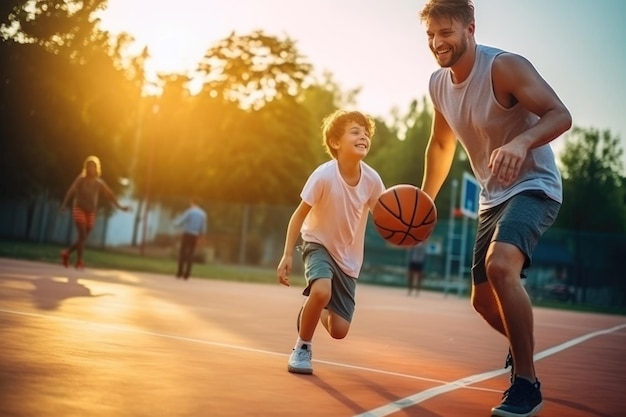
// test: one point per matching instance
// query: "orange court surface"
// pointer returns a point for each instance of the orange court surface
(104, 343)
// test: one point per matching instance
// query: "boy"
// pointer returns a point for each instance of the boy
(331, 219)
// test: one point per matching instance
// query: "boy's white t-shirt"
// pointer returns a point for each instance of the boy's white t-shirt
(338, 214)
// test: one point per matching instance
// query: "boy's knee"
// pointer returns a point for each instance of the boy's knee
(338, 335)
(321, 289)
(338, 331)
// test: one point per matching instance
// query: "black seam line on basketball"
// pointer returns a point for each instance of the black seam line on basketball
(421, 223)
(431, 210)
(410, 225)
(397, 216)
(405, 235)
(412, 228)
(424, 221)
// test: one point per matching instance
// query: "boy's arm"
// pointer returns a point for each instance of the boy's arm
(293, 232)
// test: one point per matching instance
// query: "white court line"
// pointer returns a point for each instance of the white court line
(231, 346)
(417, 398)
(398, 405)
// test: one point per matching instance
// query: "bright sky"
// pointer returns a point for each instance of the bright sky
(578, 46)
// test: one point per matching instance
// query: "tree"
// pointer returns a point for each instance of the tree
(253, 69)
(594, 207)
(67, 95)
(398, 148)
(398, 152)
(243, 137)
(593, 183)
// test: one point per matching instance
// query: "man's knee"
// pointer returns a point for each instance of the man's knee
(503, 263)
(497, 269)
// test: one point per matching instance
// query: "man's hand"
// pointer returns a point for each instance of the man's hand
(506, 161)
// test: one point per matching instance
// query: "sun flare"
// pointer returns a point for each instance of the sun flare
(173, 37)
(174, 51)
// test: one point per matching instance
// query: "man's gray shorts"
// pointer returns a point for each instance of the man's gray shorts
(319, 264)
(520, 221)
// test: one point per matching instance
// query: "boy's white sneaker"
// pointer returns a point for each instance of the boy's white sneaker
(300, 361)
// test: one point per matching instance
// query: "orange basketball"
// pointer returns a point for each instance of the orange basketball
(404, 215)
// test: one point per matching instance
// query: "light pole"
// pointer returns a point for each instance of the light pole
(146, 205)
(451, 236)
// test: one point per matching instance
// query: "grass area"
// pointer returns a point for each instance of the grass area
(160, 264)
(113, 259)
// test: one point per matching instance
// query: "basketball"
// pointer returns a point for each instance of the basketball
(404, 215)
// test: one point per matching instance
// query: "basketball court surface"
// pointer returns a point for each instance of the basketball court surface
(104, 343)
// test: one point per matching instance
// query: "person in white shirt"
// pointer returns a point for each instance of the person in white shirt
(331, 220)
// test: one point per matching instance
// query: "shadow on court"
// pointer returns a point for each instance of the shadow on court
(49, 293)
(577, 406)
(166, 348)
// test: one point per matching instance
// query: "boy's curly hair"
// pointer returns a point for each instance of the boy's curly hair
(334, 125)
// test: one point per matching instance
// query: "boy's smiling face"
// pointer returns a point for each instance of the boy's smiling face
(354, 142)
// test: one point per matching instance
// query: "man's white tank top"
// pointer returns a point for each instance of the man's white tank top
(481, 124)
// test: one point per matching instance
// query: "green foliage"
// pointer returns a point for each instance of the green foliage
(252, 135)
(398, 150)
(65, 98)
(593, 185)
(398, 153)
(253, 69)
(133, 262)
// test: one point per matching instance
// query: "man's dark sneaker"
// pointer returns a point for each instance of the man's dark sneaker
(522, 399)
(509, 362)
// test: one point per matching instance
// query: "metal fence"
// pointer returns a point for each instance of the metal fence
(568, 266)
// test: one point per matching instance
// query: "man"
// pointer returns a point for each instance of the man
(193, 221)
(505, 115)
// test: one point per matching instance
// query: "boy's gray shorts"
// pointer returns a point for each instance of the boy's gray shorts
(520, 221)
(319, 264)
